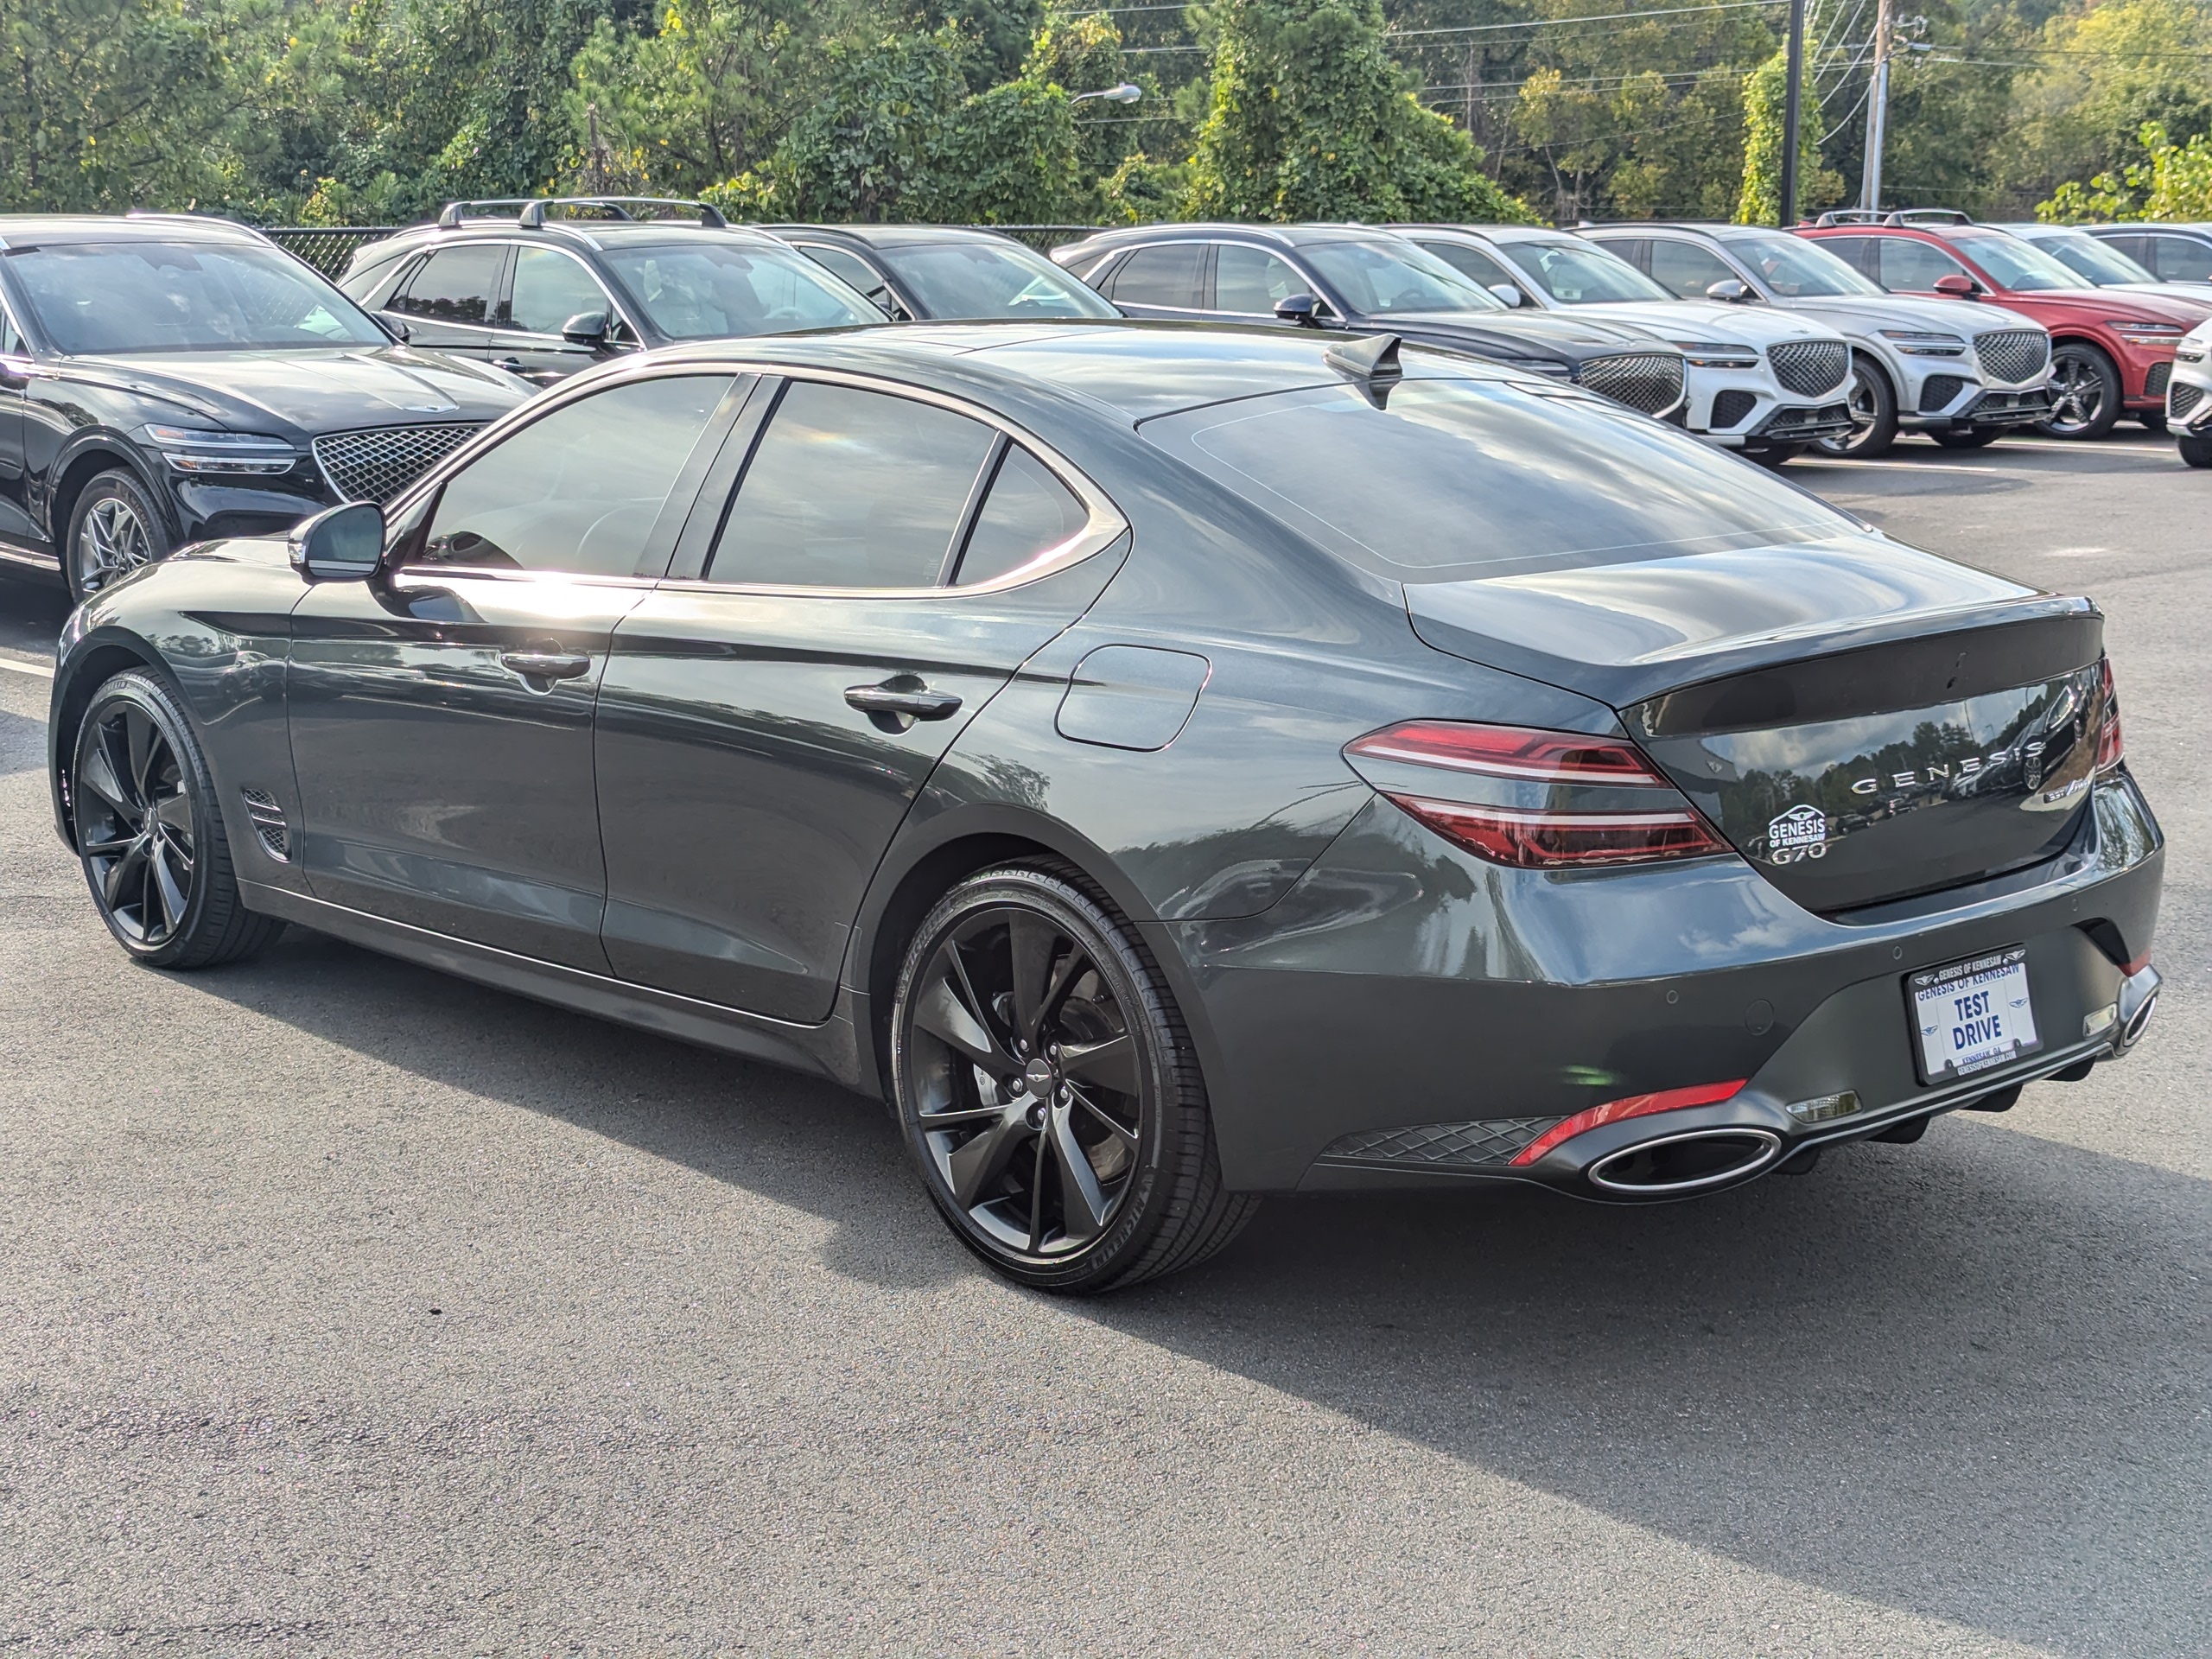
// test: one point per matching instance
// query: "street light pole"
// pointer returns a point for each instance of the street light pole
(1877, 108)
(1792, 113)
(1127, 92)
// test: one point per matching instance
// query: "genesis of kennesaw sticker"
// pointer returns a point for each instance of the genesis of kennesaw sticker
(1802, 832)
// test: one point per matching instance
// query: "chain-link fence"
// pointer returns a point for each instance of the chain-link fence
(328, 248)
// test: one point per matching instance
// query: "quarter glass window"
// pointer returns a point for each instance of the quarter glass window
(551, 287)
(579, 490)
(454, 284)
(1028, 513)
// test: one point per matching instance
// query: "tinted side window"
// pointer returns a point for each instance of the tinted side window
(1028, 512)
(2181, 259)
(454, 284)
(849, 488)
(1636, 250)
(1857, 252)
(2137, 248)
(550, 288)
(1248, 281)
(849, 268)
(578, 491)
(1684, 270)
(1913, 266)
(360, 284)
(1167, 276)
(1473, 263)
(12, 342)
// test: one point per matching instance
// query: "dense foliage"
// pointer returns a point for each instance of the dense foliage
(376, 111)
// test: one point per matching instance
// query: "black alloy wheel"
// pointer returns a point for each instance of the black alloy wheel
(1048, 1090)
(1874, 414)
(1972, 437)
(151, 844)
(2196, 448)
(114, 530)
(2084, 392)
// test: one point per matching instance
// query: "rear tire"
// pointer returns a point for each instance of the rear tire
(2196, 448)
(2084, 392)
(2152, 420)
(1048, 1090)
(114, 529)
(1874, 414)
(1979, 437)
(150, 834)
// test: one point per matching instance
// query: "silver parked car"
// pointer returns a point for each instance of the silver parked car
(1917, 365)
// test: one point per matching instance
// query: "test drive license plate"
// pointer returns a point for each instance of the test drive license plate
(1972, 1015)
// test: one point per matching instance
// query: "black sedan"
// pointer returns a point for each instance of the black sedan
(939, 274)
(165, 378)
(1169, 765)
(1357, 278)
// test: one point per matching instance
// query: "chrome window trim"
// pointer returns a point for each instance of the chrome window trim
(614, 306)
(1105, 525)
(1298, 271)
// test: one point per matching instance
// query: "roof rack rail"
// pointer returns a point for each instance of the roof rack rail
(195, 217)
(1894, 216)
(530, 214)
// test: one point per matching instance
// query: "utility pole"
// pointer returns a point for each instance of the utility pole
(1792, 112)
(1877, 108)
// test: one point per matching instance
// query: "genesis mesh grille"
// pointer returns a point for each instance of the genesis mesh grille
(1937, 391)
(2182, 399)
(1650, 381)
(2013, 354)
(1806, 366)
(1733, 407)
(269, 824)
(1490, 1140)
(2154, 384)
(378, 462)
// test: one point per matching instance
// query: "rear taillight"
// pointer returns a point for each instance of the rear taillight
(2111, 748)
(1546, 800)
(1613, 1111)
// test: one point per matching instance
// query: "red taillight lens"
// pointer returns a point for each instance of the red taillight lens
(2111, 747)
(1613, 1111)
(1538, 840)
(1544, 800)
(1508, 751)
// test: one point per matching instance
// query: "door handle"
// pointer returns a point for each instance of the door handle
(548, 664)
(512, 364)
(900, 700)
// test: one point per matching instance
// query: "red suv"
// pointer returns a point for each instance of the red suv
(2110, 352)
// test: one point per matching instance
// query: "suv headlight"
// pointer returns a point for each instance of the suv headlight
(2189, 351)
(1537, 365)
(1917, 343)
(2145, 334)
(1717, 354)
(189, 449)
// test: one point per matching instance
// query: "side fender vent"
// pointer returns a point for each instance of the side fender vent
(269, 824)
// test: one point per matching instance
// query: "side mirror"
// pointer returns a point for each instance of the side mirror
(586, 328)
(343, 544)
(1730, 290)
(1957, 285)
(1301, 308)
(1509, 293)
(392, 326)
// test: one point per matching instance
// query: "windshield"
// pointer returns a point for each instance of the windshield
(708, 290)
(98, 297)
(2085, 256)
(1574, 273)
(1375, 277)
(956, 280)
(2018, 265)
(1452, 480)
(1797, 269)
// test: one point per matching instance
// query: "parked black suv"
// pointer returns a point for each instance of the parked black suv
(940, 274)
(167, 378)
(1356, 277)
(546, 287)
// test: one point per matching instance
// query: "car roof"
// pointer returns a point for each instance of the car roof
(1280, 236)
(1134, 370)
(1488, 233)
(19, 229)
(894, 236)
(594, 233)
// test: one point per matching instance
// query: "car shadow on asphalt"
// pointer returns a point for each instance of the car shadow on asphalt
(1967, 1379)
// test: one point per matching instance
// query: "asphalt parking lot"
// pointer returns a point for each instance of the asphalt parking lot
(349, 1309)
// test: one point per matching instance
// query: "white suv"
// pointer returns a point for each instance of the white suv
(1759, 382)
(1964, 377)
(2189, 396)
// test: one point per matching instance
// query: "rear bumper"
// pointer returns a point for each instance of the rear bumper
(1409, 1016)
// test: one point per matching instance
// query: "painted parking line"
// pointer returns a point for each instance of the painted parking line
(41, 669)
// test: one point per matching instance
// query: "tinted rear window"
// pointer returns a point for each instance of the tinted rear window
(1460, 479)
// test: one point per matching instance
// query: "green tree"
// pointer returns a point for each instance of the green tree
(2174, 184)
(1311, 119)
(1766, 96)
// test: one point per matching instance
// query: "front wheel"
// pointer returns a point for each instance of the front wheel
(114, 529)
(2196, 448)
(1048, 1090)
(2084, 392)
(149, 834)
(1874, 415)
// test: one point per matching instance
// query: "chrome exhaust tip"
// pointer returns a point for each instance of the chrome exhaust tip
(1694, 1162)
(2139, 1000)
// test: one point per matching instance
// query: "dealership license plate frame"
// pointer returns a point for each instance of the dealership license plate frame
(1990, 968)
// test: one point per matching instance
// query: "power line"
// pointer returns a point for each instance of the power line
(1591, 17)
